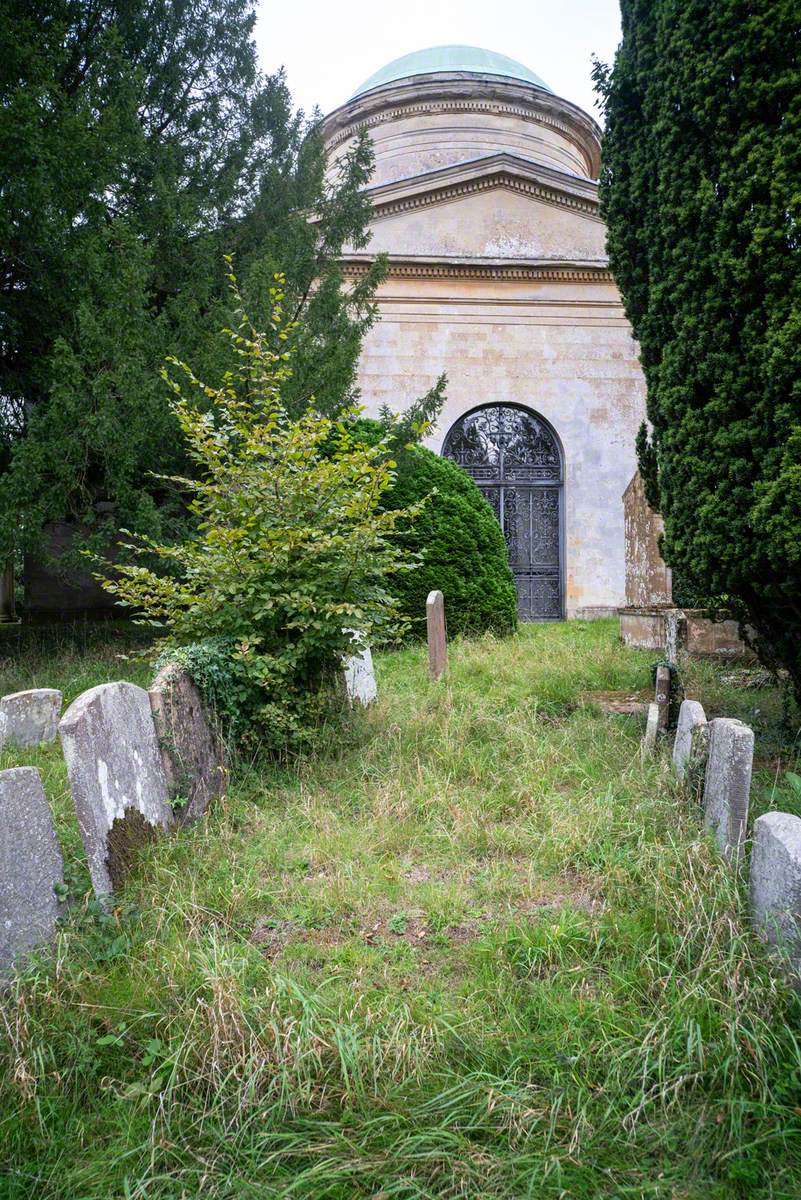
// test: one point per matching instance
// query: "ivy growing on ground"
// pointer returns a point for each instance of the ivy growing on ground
(291, 549)
(701, 191)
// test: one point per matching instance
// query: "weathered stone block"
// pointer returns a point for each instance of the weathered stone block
(29, 718)
(727, 783)
(360, 683)
(692, 737)
(437, 639)
(776, 881)
(648, 580)
(117, 778)
(192, 751)
(651, 729)
(31, 866)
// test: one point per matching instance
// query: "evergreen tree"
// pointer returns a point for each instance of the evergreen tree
(701, 190)
(138, 144)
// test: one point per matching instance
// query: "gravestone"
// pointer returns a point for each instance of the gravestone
(437, 638)
(360, 683)
(775, 885)
(31, 867)
(727, 783)
(29, 718)
(662, 696)
(690, 745)
(651, 729)
(192, 751)
(117, 778)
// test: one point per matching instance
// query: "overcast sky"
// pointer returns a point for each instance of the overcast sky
(330, 46)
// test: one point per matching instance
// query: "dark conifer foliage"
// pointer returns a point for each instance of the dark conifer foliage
(701, 190)
(138, 144)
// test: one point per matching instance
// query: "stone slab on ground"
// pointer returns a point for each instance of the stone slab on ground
(691, 740)
(727, 783)
(31, 867)
(360, 682)
(30, 718)
(117, 777)
(775, 883)
(192, 751)
(437, 637)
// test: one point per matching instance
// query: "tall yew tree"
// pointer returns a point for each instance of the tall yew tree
(139, 143)
(701, 190)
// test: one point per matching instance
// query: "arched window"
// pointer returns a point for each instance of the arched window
(515, 458)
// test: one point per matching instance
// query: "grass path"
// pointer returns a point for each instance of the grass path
(479, 949)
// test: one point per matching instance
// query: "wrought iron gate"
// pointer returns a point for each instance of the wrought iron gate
(515, 459)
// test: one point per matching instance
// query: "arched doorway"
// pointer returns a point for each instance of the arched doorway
(515, 458)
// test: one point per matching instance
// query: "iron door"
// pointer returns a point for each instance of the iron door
(514, 457)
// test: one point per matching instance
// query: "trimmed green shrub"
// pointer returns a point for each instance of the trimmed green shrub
(461, 545)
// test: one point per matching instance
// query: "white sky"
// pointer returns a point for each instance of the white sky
(329, 47)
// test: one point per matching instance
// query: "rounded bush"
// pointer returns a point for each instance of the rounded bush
(462, 546)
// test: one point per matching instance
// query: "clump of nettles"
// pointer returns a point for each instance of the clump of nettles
(290, 551)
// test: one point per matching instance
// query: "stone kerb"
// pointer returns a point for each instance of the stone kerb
(31, 867)
(118, 783)
(775, 884)
(690, 745)
(727, 783)
(437, 638)
(360, 682)
(30, 718)
(192, 752)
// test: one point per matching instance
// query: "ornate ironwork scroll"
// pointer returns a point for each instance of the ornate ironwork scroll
(516, 461)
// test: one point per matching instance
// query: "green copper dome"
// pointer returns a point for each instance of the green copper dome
(450, 58)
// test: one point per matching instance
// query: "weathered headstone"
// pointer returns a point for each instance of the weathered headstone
(437, 638)
(192, 752)
(776, 881)
(662, 696)
(117, 778)
(31, 866)
(651, 729)
(727, 783)
(360, 683)
(29, 718)
(691, 738)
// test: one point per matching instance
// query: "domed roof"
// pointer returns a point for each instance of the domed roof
(450, 58)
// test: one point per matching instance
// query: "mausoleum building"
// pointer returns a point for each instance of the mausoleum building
(486, 201)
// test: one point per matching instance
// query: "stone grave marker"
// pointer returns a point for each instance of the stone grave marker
(29, 718)
(360, 683)
(117, 778)
(651, 729)
(690, 745)
(31, 867)
(727, 783)
(662, 696)
(192, 751)
(775, 884)
(437, 638)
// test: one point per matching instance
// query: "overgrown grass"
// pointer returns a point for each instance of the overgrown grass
(482, 950)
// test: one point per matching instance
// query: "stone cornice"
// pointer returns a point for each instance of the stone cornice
(548, 270)
(498, 170)
(462, 92)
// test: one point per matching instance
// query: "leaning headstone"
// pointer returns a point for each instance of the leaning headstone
(437, 639)
(776, 881)
(360, 683)
(117, 778)
(651, 729)
(727, 783)
(662, 696)
(691, 738)
(29, 718)
(191, 750)
(31, 867)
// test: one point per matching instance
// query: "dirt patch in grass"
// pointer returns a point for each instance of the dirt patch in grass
(618, 703)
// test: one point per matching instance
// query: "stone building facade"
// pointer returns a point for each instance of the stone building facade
(484, 197)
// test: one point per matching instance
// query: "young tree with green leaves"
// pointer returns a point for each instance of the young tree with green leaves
(701, 191)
